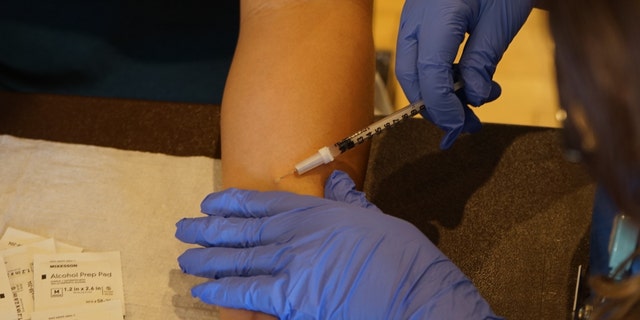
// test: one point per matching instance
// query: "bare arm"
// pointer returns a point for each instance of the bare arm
(302, 78)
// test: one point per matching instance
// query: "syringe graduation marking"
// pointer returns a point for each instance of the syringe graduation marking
(327, 154)
(377, 128)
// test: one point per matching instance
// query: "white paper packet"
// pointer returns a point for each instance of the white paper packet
(7, 306)
(109, 310)
(13, 237)
(19, 264)
(73, 279)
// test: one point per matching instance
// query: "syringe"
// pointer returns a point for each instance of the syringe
(328, 153)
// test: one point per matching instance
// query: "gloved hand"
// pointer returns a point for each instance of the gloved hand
(304, 257)
(430, 34)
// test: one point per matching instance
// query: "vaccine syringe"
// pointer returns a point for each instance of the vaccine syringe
(328, 153)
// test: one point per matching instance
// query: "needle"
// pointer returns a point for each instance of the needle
(277, 180)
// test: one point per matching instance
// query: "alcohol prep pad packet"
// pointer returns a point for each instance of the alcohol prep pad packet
(73, 279)
(18, 262)
(110, 310)
(8, 309)
(15, 238)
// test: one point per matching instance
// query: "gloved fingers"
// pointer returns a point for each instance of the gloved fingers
(479, 86)
(407, 52)
(453, 121)
(428, 37)
(488, 40)
(220, 262)
(428, 42)
(257, 293)
(219, 231)
(442, 106)
(340, 187)
(407, 63)
(443, 32)
(254, 204)
(472, 123)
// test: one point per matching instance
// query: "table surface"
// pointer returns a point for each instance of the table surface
(503, 203)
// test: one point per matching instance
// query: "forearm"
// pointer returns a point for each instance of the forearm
(302, 78)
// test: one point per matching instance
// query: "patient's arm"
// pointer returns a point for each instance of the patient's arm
(302, 78)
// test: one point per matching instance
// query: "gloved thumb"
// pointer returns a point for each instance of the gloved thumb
(488, 40)
(340, 187)
(479, 87)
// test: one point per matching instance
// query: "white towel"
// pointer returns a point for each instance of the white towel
(105, 199)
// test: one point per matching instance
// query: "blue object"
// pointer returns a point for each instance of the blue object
(304, 257)
(623, 243)
(602, 216)
(613, 238)
(430, 35)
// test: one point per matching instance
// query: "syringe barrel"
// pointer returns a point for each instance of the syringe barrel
(380, 125)
(327, 154)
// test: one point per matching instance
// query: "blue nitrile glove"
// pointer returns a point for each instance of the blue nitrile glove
(430, 34)
(304, 257)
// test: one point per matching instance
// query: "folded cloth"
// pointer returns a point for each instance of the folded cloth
(105, 199)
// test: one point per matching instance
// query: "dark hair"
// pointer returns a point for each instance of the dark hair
(598, 72)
